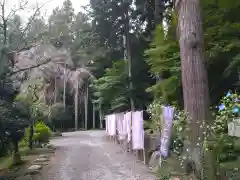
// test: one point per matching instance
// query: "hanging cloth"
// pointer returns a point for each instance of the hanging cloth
(125, 128)
(137, 130)
(112, 125)
(129, 124)
(120, 126)
(107, 123)
(168, 113)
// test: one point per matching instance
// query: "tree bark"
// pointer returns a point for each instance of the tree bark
(158, 16)
(94, 120)
(76, 105)
(100, 115)
(86, 105)
(64, 88)
(158, 12)
(128, 51)
(31, 131)
(194, 74)
(55, 90)
(16, 154)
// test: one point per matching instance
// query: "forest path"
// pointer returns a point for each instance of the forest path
(87, 155)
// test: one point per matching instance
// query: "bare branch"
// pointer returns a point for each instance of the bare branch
(29, 68)
(31, 20)
(14, 11)
(4, 22)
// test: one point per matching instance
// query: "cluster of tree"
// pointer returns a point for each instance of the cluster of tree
(95, 41)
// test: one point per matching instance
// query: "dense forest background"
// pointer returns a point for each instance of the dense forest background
(94, 39)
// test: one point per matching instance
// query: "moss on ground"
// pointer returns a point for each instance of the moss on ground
(10, 169)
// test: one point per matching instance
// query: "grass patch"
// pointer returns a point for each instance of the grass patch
(26, 155)
(5, 162)
(11, 170)
(171, 168)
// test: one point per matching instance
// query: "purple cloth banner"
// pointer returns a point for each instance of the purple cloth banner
(168, 113)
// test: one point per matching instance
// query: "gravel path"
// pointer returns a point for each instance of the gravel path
(87, 155)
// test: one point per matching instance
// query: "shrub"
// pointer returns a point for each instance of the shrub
(42, 133)
(155, 111)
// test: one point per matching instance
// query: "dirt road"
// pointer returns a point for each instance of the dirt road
(87, 155)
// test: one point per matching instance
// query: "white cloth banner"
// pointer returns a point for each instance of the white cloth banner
(137, 130)
(120, 119)
(106, 120)
(112, 125)
(125, 128)
(128, 119)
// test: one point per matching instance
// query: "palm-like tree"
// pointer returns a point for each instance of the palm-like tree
(56, 76)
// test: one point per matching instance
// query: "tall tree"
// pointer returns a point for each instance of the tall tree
(194, 73)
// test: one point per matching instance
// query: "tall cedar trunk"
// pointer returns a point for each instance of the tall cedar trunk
(94, 121)
(64, 88)
(81, 112)
(55, 90)
(194, 74)
(16, 147)
(100, 115)
(158, 16)
(158, 12)
(86, 105)
(30, 138)
(76, 105)
(16, 154)
(128, 52)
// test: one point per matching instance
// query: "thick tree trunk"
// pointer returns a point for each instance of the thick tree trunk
(86, 105)
(64, 88)
(16, 154)
(194, 74)
(55, 90)
(158, 16)
(128, 51)
(100, 116)
(158, 12)
(94, 120)
(30, 138)
(76, 105)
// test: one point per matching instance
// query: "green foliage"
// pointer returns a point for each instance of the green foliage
(41, 135)
(155, 111)
(180, 131)
(58, 115)
(110, 90)
(11, 126)
(164, 60)
(218, 139)
(219, 147)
